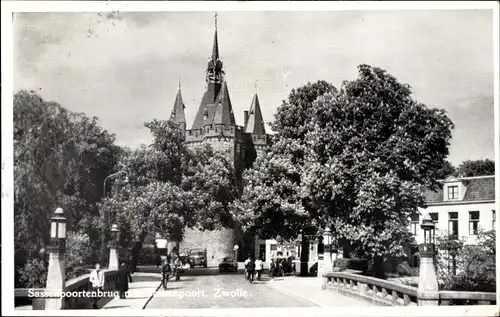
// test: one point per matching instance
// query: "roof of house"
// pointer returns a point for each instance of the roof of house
(477, 189)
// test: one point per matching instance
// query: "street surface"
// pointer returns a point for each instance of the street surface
(222, 290)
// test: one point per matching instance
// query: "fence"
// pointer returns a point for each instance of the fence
(387, 293)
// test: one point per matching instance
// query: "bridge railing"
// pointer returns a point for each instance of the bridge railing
(388, 293)
(79, 284)
(377, 291)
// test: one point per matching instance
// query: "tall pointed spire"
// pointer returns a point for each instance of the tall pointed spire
(178, 115)
(255, 123)
(215, 49)
(223, 108)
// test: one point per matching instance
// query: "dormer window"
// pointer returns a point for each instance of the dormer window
(452, 192)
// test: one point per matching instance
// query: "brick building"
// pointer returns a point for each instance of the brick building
(215, 124)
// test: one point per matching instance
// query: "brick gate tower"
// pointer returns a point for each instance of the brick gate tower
(215, 124)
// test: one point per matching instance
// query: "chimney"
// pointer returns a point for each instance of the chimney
(245, 113)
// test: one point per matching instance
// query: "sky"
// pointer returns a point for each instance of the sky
(125, 67)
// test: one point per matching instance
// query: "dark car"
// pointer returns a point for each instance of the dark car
(198, 257)
(228, 264)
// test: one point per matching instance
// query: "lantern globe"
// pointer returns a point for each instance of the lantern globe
(114, 228)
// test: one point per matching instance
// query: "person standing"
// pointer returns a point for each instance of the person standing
(259, 266)
(246, 262)
(165, 272)
(251, 270)
(97, 281)
(272, 269)
(122, 280)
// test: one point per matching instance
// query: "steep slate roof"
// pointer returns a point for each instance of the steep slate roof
(255, 123)
(207, 104)
(480, 189)
(178, 115)
(477, 189)
(223, 109)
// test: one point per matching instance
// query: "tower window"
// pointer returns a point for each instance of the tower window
(473, 222)
(452, 192)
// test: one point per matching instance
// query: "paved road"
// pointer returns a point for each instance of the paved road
(209, 289)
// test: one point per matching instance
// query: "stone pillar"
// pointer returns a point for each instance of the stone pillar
(428, 288)
(113, 253)
(56, 269)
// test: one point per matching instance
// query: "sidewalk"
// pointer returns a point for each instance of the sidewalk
(309, 288)
(140, 292)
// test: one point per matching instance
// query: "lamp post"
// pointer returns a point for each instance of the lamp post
(104, 216)
(56, 267)
(428, 288)
(235, 248)
(113, 253)
(328, 249)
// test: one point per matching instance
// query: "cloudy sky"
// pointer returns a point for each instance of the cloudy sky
(125, 67)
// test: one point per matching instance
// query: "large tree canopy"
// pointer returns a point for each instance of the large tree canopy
(60, 160)
(357, 161)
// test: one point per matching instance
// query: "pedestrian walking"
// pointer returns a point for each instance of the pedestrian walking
(272, 269)
(165, 272)
(158, 260)
(246, 262)
(250, 270)
(122, 280)
(97, 281)
(259, 266)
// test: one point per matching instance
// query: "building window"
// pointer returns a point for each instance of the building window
(452, 192)
(262, 252)
(493, 221)
(434, 217)
(473, 222)
(453, 224)
(415, 220)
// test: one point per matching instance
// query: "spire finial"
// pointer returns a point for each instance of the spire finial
(179, 83)
(215, 17)
(256, 85)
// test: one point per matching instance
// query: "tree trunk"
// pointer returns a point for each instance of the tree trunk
(378, 267)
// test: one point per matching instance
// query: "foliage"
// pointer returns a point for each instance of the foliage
(446, 170)
(358, 158)
(60, 160)
(475, 263)
(170, 187)
(33, 274)
(476, 168)
(78, 254)
(372, 151)
(271, 203)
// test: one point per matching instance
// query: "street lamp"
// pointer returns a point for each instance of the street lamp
(104, 216)
(58, 232)
(113, 252)
(428, 288)
(235, 248)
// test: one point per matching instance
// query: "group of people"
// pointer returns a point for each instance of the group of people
(97, 280)
(172, 265)
(276, 268)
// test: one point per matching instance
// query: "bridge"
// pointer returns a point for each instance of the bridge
(203, 288)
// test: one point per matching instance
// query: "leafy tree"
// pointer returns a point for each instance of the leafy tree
(476, 168)
(446, 170)
(372, 151)
(474, 264)
(60, 160)
(358, 158)
(170, 187)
